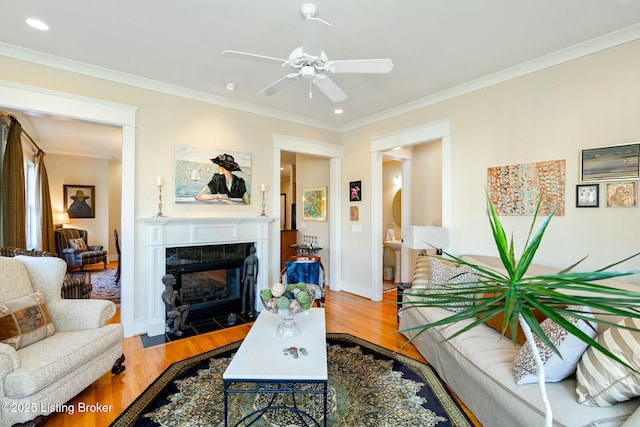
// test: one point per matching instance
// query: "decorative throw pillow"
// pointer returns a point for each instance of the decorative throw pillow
(603, 381)
(571, 348)
(24, 320)
(497, 321)
(444, 278)
(78, 244)
(422, 272)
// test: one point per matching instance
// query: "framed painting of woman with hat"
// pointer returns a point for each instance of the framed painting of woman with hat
(79, 201)
(204, 175)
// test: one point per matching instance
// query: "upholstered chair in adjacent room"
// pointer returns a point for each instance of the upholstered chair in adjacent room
(72, 245)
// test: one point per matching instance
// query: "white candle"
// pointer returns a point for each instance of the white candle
(158, 181)
(263, 187)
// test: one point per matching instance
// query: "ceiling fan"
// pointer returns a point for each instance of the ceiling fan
(311, 63)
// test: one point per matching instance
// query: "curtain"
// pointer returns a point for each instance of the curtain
(14, 206)
(45, 234)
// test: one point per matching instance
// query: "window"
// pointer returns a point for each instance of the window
(30, 188)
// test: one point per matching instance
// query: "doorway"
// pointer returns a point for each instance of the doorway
(332, 152)
(25, 98)
(393, 145)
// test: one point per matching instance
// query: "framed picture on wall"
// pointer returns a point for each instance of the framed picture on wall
(608, 163)
(622, 194)
(80, 201)
(587, 195)
(355, 191)
(314, 206)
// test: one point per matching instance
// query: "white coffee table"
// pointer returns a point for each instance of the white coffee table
(261, 360)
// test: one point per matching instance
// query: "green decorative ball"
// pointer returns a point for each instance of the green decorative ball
(266, 294)
(283, 302)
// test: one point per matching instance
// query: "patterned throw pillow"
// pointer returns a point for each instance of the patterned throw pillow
(455, 279)
(603, 381)
(422, 272)
(556, 368)
(24, 320)
(78, 244)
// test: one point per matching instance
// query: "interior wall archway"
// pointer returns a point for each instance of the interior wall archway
(332, 152)
(405, 138)
(45, 101)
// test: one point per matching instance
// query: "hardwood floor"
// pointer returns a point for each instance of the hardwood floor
(372, 321)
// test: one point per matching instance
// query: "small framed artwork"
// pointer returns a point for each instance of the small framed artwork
(80, 201)
(314, 204)
(622, 194)
(587, 195)
(354, 213)
(609, 163)
(355, 191)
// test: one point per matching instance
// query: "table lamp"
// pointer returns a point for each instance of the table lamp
(425, 237)
(60, 218)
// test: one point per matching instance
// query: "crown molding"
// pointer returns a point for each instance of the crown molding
(53, 61)
(607, 41)
(598, 44)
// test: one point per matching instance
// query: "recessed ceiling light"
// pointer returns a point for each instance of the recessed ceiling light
(338, 111)
(37, 24)
(231, 86)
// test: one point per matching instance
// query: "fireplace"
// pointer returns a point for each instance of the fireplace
(188, 241)
(208, 277)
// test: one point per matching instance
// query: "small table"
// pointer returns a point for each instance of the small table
(260, 360)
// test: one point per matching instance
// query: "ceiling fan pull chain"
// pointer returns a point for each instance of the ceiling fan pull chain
(310, 89)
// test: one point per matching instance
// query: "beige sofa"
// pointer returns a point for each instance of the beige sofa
(47, 370)
(478, 366)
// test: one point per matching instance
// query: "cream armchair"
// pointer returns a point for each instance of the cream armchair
(62, 345)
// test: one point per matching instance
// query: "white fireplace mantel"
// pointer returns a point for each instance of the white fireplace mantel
(167, 232)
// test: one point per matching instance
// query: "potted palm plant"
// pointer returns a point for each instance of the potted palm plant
(516, 296)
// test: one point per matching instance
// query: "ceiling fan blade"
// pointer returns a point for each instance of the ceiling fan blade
(329, 88)
(362, 66)
(278, 84)
(315, 34)
(251, 56)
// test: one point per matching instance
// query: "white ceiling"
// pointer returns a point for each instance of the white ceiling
(439, 48)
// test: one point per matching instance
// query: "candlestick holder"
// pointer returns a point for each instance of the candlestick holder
(263, 212)
(159, 214)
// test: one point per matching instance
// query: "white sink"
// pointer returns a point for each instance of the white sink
(395, 245)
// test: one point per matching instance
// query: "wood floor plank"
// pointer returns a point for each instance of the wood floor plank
(346, 313)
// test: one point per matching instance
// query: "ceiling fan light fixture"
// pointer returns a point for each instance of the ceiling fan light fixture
(338, 111)
(231, 86)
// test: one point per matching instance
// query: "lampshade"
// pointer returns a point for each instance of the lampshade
(61, 218)
(425, 237)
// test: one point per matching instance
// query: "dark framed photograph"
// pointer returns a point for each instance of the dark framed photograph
(587, 195)
(609, 163)
(80, 201)
(355, 191)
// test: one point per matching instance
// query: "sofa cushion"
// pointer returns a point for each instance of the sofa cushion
(456, 278)
(556, 368)
(78, 244)
(497, 321)
(603, 381)
(25, 320)
(50, 360)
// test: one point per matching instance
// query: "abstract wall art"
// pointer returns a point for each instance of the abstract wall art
(516, 189)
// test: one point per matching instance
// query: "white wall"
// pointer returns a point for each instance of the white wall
(548, 115)
(426, 177)
(64, 169)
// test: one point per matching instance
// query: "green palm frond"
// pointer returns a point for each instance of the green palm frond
(516, 296)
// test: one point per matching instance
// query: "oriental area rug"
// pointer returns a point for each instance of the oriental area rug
(103, 283)
(368, 386)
